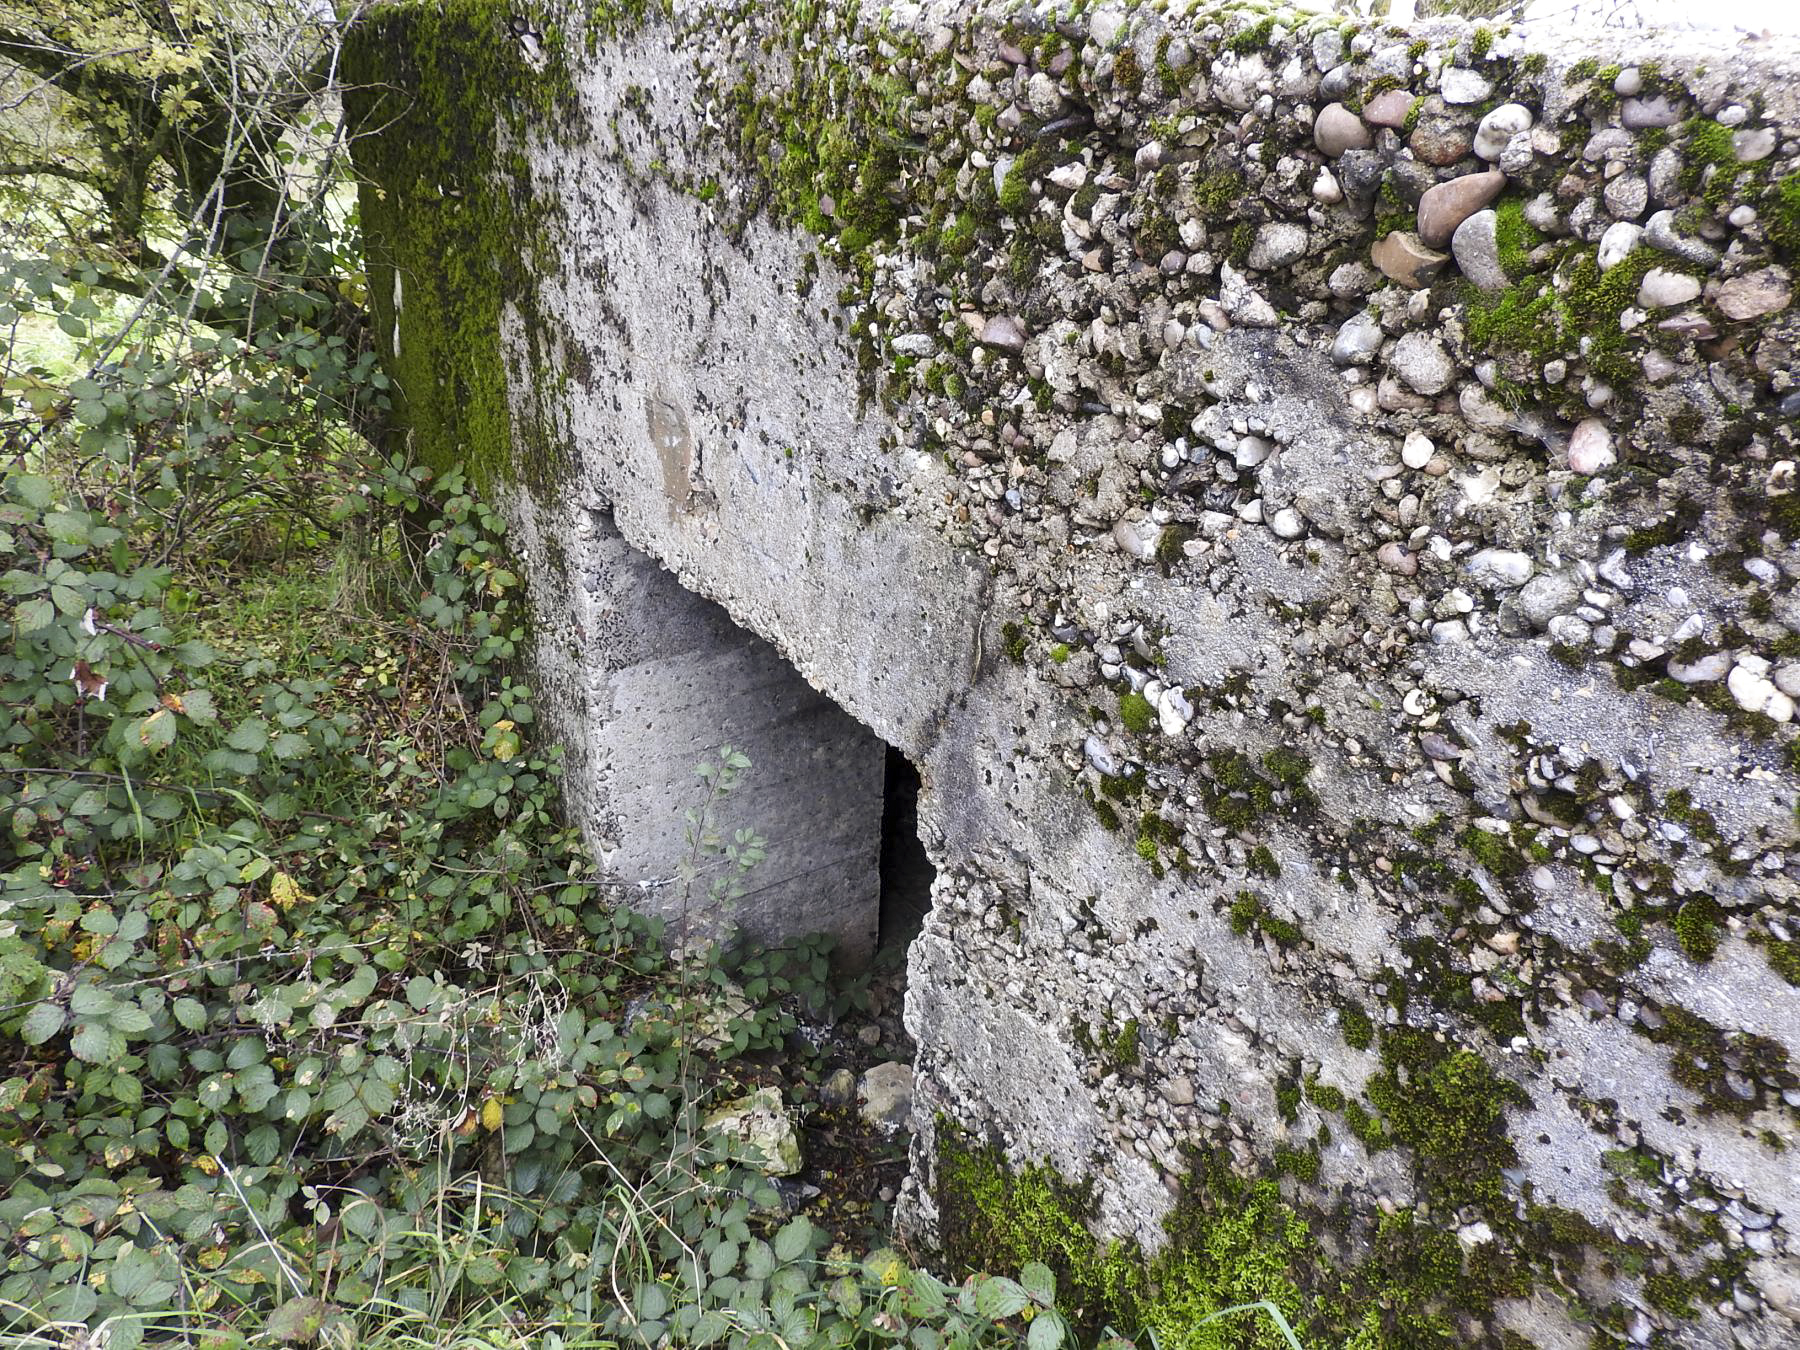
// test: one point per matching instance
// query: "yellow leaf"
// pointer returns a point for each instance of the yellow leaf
(285, 891)
(490, 1115)
(144, 734)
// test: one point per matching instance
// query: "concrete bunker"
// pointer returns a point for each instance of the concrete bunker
(1424, 809)
(665, 678)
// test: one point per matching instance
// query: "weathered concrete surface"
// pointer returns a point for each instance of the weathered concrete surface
(647, 680)
(1355, 716)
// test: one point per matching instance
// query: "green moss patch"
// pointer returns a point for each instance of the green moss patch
(450, 218)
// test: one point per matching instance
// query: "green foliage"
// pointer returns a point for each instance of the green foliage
(1492, 851)
(1014, 639)
(318, 1026)
(1261, 862)
(1128, 71)
(1235, 1243)
(1256, 35)
(993, 1216)
(1288, 766)
(1515, 236)
(308, 997)
(1698, 927)
(1225, 1280)
(1784, 958)
(267, 953)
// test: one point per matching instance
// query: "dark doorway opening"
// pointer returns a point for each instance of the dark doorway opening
(906, 873)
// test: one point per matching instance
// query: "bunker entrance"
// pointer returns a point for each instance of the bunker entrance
(906, 872)
(671, 678)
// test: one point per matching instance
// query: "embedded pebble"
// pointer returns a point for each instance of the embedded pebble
(1440, 135)
(1546, 596)
(1748, 147)
(1661, 288)
(1617, 242)
(1443, 207)
(1138, 538)
(1388, 108)
(1751, 689)
(1396, 559)
(1476, 247)
(1498, 128)
(1660, 233)
(1702, 670)
(1278, 244)
(1005, 332)
(1462, 85)
(1173, 712)
(1336, 130)
(1422, 361)
(1591, 447)
(1403, 258)
(1500, 568)
(1767, 291)
(1657, 110)
(1627, 196)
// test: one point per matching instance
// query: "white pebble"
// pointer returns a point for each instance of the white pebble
(1591, 447)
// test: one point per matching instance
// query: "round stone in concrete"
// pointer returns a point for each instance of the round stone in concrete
(1403, 258)
(1441, 135)
(1640, 114)
(1767, 291)
(1388, 108)
(1476, 245)
(1617, 242)
(1499, 127)
(1662, 288)
(1421, 361)
(1278, 244)
(1591, 447)
(1462, 85)
(1337, 129)
(1448, 205)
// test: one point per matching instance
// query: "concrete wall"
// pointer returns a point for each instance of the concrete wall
(1342, 605)
(646, 680)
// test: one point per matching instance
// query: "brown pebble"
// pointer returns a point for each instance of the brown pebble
(1448, 205)
(1388, 109)
(1402, 258)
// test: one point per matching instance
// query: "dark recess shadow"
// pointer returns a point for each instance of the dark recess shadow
(906, 873)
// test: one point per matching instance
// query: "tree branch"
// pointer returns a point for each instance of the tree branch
(49, 167)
